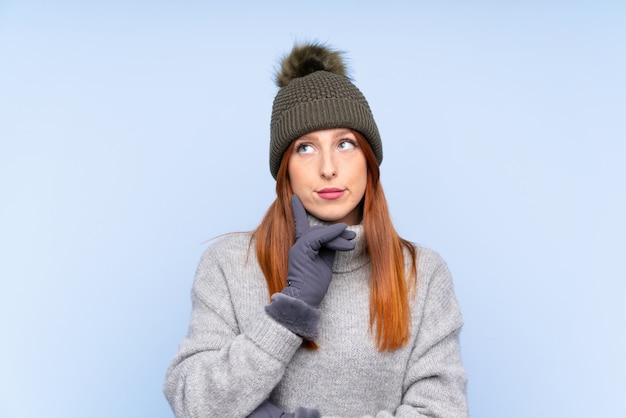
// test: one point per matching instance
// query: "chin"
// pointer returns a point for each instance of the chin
(336, 218)
(329, 217)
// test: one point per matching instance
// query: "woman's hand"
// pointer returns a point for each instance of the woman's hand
(311, 257)
(269, 410)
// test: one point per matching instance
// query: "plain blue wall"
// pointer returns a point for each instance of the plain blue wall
(132, 132)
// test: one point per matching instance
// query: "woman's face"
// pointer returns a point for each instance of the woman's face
(328, 172)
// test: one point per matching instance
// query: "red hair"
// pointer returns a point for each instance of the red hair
(390, 313)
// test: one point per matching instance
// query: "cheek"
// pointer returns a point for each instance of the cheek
(360, 179)
(297, 176)
(360, 189)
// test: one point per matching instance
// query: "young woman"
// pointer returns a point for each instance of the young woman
(323, 310)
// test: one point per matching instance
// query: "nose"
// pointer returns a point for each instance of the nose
(328, 169)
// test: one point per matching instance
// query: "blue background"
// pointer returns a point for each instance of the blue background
(133, 132)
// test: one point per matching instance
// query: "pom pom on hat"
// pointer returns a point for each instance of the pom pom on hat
(315, 94)
(309, 58)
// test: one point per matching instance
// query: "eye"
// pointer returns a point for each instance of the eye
(304, 148)
(347, 144)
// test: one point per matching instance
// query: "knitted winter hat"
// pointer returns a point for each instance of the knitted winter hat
(316, 94)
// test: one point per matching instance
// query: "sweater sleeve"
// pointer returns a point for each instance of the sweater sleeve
(219, 370)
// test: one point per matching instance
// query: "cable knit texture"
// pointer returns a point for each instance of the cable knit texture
(235, 355)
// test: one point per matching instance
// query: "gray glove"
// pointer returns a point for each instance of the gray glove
(311, 257)
(269, 410)
(309, 273)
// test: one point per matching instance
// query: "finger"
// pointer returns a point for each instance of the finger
(299, 215)
(349, 235)
(319, 235)
(342, 242)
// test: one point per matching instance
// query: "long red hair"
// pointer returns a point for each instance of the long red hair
(390, 289)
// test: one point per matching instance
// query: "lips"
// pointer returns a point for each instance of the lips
(331, 193)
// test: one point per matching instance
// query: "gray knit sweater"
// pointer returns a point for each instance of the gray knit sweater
(235, 356)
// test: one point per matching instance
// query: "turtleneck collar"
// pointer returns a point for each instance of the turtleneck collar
(347, 261)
